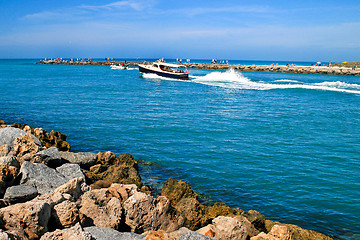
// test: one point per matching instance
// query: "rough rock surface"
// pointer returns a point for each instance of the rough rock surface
(50, 157)
(8, 175)
(45, 179)
(32, 217)
(99, 210)
(65, 214)
(69, 171)
(25, 147)
(193, 236)
(176, 190)
(84, 159)
(20, 193)
(144, 213)
(9, 161)
(229, 228)
(9, 134)
(124, 169)
(100, 233)
(74, 233)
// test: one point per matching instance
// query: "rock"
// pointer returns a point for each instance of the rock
(54, 138)
(229, 228)
(100, 233)
(5, 150)
(50, 157)
(207, 230)
(74, 187)
(9, 161)
(176, 190)
(32, 217)
(84, 159)
(9, 134)
(144, 213)
(8, 175)
(296, 232)
(25, 147)
(66, 214)
(194, 236)
(106, 158)
(96, 209)
(74, 233)
(221, 209)
(249, 228)
(20, 193)
(178, 233)
(256, 219)
(45, 179)
(192, 212)
(122, 191)
(70, 170)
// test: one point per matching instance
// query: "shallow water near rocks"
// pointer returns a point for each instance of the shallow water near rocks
(286, 145)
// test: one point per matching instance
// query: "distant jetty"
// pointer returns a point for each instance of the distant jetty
(329, 70)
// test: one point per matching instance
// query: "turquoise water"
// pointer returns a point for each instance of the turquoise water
(286, 145)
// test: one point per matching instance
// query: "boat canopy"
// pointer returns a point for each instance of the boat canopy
(171, 65)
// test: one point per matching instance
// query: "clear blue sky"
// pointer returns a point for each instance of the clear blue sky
(236, 29)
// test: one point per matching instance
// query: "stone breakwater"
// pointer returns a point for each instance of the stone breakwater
(48, 192)
(335, 70)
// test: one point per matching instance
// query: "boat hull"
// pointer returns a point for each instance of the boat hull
(183, 76)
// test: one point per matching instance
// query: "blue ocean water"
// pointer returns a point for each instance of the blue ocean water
(284, 144)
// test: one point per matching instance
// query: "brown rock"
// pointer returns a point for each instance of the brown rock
(74, 187)
(66, 214)
(74, 233)
(208, 230)
(25, 148)
(256, 219)
(52, 139)
(121, 191)
(192, 212)
(221, 209)
(144, 213)
(157, 235)
(99, 210)
(7, 177)
(229, 228)
(176, 190)
(32, 217)
(106, 158)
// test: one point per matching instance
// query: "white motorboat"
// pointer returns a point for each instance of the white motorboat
(169, 70)
(122, 67)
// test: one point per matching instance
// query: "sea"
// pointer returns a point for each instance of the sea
(286, 145)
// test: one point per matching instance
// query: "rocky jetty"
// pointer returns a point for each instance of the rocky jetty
(335, 69)
(48, 193)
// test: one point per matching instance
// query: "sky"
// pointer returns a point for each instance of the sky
(288, 30)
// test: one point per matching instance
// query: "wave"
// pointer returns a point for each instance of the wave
(286, 81)
(235, 80)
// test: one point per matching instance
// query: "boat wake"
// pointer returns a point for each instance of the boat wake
(235, 80)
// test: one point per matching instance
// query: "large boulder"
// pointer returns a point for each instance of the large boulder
(32, 217)
(54, 138)
(50, 157)
(124, 169)
(44, 178)
(229, 228)
(25, 147)
(99, 210)
(9, 134)
(84, 159)
(176, 190)
(65, 214)
(192, 212)
(20, 193)
(190, 235)
(70, 170)
(144, 213)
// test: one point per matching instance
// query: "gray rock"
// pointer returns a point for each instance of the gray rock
(100, 233)
(70, 171)
(75, 232)
(193, 236)
(50, 156)
(9, 161)
(44, 178)
(9, 134)
(20, 193)
(84, 159)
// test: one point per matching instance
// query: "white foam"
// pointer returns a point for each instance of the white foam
(286, 81)
(232, 79)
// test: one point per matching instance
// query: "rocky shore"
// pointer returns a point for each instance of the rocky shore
(48, 192)
(333, 70)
